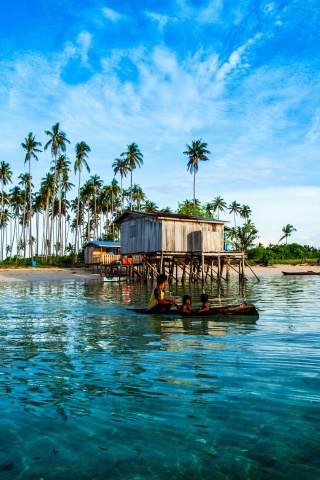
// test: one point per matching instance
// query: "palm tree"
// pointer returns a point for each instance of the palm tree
(62, 170)
(25, 181)
(82, 150)
(219, 205)
(30, 146)
(5, 178)
(150, 207)
(133, 158)
(287, 230)
(209, 209)
(188, 208)
(234, 208)
(96, 185)
(57, 143)
(245, 212)
(86, 193)
(120, 166)
(16, 200)
(46, 192)
(245, 236)
(138, 196)
(196, 151)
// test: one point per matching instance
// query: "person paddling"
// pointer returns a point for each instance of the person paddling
(158, 303)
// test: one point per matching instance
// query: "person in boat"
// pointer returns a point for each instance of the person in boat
(186, 302)
(158, 302)
(205, 304)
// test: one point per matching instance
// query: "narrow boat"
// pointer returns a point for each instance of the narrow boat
(238, 309)
(308, 272)
(114, 279)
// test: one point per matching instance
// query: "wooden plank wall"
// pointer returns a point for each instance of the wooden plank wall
(147, 235)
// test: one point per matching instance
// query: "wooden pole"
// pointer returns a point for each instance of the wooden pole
(228, 271)
(252, 271)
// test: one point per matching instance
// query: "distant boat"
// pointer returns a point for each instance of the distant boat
(117, 278)
(308, 272)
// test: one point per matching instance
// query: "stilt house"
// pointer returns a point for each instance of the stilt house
(97, 252)
(168, 233)
(184, 246)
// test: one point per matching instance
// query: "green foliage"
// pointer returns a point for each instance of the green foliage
(189, 208)
(279, 253)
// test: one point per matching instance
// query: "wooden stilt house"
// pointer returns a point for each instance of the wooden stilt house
(184, 246)
(97, 252)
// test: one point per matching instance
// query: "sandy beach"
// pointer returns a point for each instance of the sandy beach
(55, 274)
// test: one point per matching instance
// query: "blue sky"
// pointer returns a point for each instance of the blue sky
(243, 76)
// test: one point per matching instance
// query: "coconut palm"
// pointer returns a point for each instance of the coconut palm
(25, 181)
(138, 196)
(3, 229)
(120, 166)
(219, 205)
(57, 144)
(86, 193)
(97, 186)
(234, 208)
(245, 212)
(287, 230)
(30, 146)
(46, 192)
(62, 169)
(133, 158)
(196, 151)
(150, 207)
(208, 207)
(16, 200)
(82, 150)
(245, 236)
(5, 178)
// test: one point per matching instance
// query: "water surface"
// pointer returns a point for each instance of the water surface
(90, 390)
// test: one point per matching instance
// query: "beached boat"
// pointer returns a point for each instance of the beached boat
(114, 279)
(308, 272)
(238, 309)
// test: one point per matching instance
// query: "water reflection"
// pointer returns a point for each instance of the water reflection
(83, 376)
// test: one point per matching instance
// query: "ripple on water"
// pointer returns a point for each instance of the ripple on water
(90, 390)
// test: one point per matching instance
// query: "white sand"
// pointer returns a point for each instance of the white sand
(54, 274)
(36, 274)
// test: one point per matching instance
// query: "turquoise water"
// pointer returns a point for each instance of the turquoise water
(90, 390)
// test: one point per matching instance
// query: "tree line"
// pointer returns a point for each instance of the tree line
(47, 222)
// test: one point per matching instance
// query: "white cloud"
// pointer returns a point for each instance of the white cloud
(84, 41)
(211, 13)
(111, 14)
(161, 20)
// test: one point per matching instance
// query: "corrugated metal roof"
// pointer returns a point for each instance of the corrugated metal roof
(97, 243)
(173, 216)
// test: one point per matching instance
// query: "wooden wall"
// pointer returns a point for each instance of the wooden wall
(94, 255)
(148, 235)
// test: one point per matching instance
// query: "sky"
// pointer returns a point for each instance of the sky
(242, 76)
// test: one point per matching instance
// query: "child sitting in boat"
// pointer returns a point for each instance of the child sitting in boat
(205, 304)
(186, 302)
(157, 302)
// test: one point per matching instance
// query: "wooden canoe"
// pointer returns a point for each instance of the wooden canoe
(308, 272)
(238, 309)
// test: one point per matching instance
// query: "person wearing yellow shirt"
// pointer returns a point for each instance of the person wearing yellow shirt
(158, 303)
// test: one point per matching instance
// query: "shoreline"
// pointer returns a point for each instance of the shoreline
(57, 274)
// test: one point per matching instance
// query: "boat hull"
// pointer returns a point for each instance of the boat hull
(114, 279)
(309, 272)
(239, 309)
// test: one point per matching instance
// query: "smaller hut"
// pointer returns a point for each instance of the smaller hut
(96, 252)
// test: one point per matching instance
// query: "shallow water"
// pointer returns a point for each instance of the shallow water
(90, 390)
